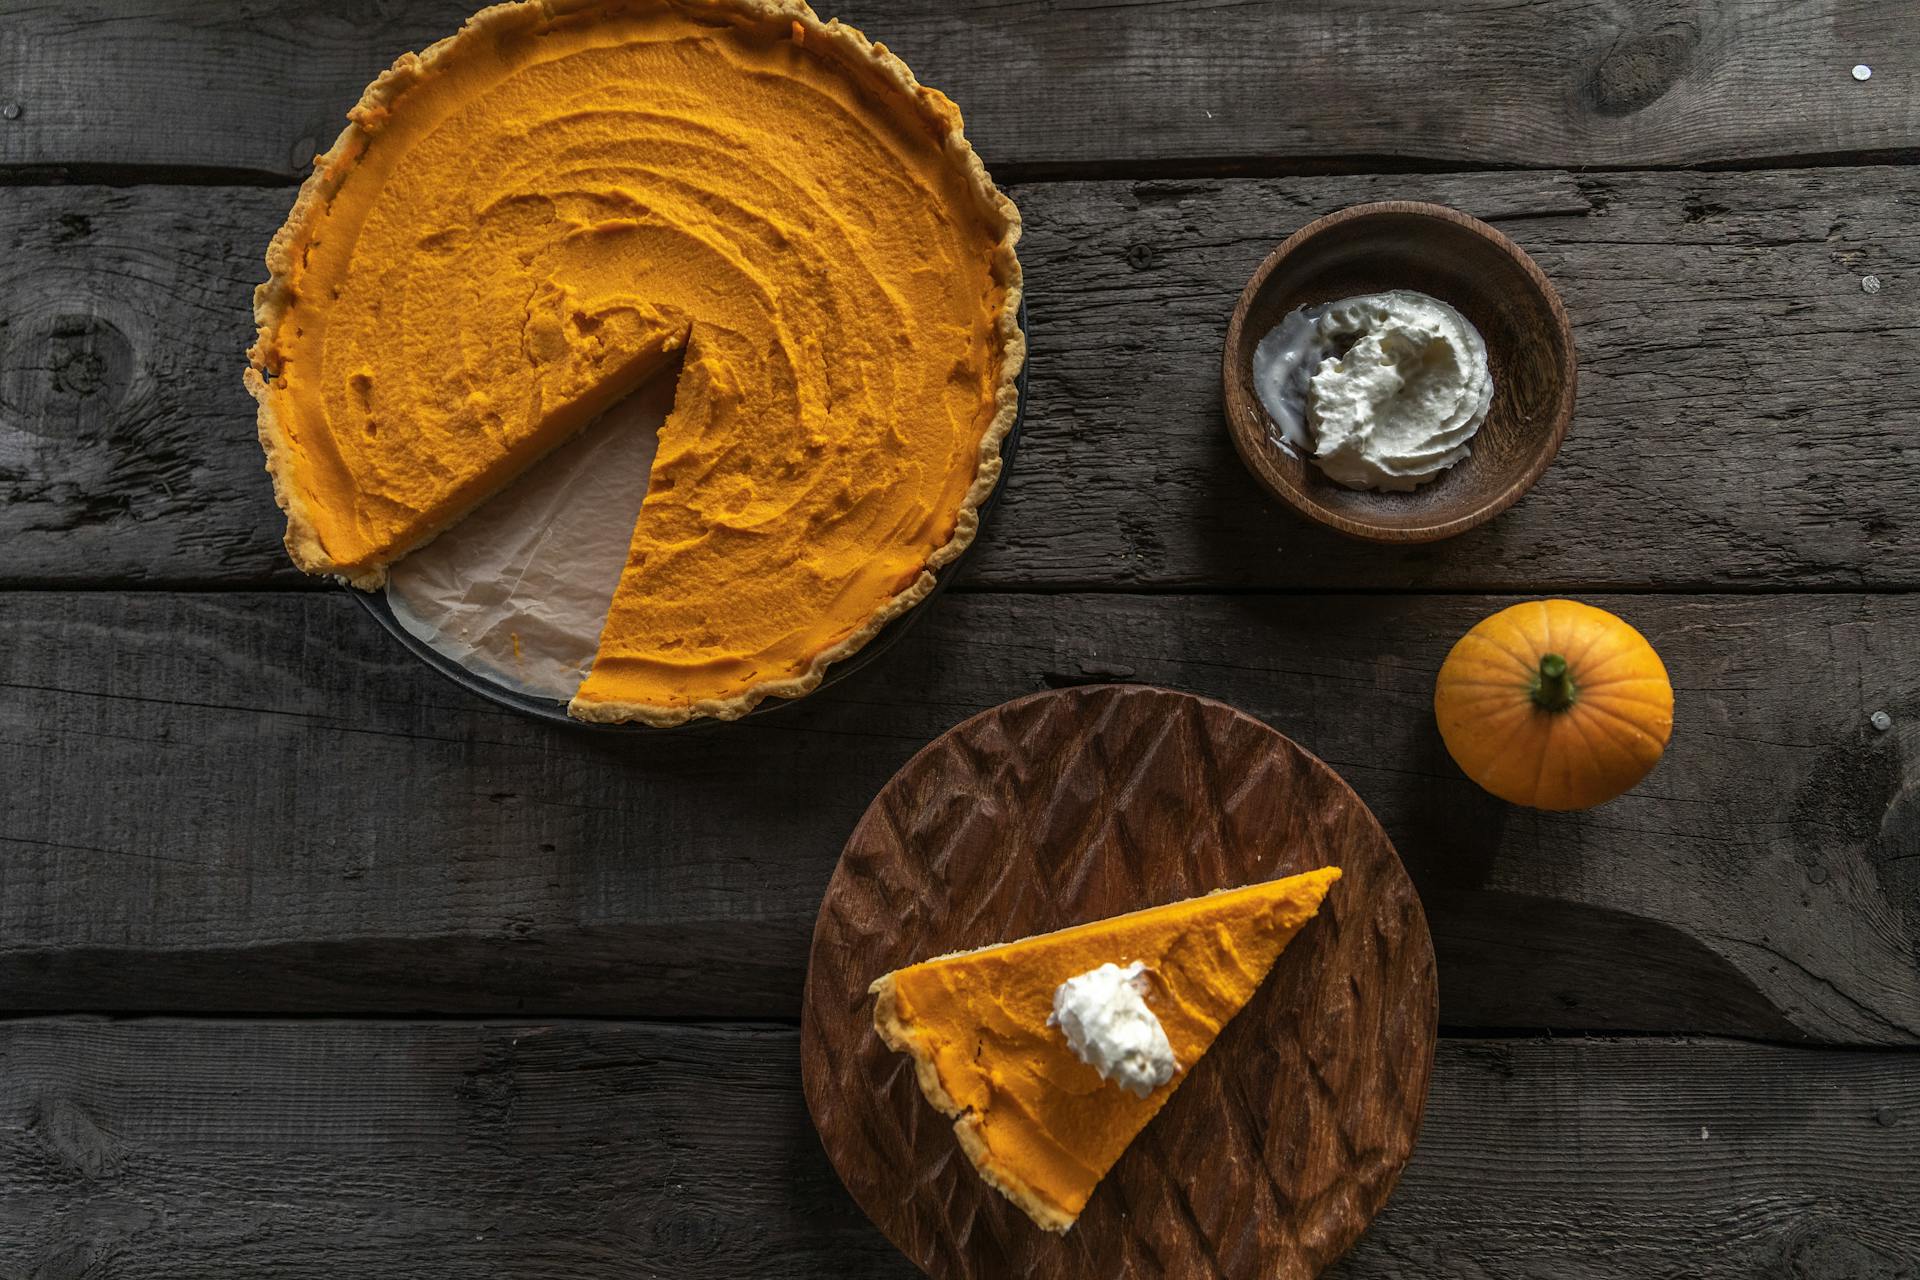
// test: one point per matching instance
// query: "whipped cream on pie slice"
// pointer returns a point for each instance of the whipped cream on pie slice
(1103, 1014)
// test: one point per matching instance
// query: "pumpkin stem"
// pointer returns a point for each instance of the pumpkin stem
(1553, 688)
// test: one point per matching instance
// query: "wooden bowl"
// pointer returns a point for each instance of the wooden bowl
(1404, 244)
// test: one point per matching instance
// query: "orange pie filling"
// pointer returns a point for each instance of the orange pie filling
(542, 213)
(1039, 1123)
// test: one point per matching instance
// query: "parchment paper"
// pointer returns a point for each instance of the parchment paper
(518, 591)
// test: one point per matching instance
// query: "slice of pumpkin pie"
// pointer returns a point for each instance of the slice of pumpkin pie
(1052, 1052)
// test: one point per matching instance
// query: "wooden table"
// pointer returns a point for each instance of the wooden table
(317, 966)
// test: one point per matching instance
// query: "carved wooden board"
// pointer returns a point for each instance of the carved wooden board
(1070, 806)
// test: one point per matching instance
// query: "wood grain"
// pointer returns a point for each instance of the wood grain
(256, 801)
(125, 84)
(1073, 805)
(176, 1150)
(1432, 249)
(1743, 421)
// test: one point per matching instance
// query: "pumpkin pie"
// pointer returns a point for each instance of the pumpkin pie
(527, 221)
(1040, 1124)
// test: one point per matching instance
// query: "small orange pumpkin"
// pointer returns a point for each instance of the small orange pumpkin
(1554, 704)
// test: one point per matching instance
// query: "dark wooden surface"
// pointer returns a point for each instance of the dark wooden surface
(342, 831)
(254, 88)
(174, 1149)
(1744, 406)
(223, 792)
(1079, 804)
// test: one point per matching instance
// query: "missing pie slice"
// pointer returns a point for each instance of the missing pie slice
(1038, 1123)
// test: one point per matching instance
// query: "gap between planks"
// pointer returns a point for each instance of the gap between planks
(1089, 588)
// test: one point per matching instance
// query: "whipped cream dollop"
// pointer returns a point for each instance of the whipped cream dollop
(1103, 1014)
(1382, 391)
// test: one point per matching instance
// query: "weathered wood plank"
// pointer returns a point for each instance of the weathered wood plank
(259, 802)
(1744, 417)
(288, 1150)
(1542, 82)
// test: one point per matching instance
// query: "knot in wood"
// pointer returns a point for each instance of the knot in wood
(300, 155)
(1639, 69)
(77, 1140)
(1819, 1248)
(63, 372)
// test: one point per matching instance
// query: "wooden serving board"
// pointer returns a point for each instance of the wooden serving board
(1284, 1140)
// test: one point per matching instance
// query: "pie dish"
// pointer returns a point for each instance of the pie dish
(537, 215)
(1039, 1124)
